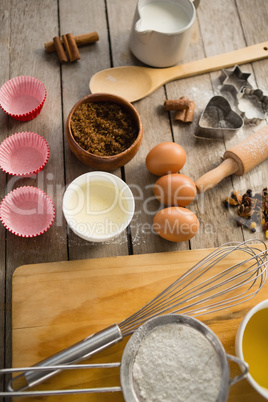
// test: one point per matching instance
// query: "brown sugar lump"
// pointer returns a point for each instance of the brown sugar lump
(103, 128)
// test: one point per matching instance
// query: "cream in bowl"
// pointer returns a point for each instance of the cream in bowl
(252, 346)
(98, 206)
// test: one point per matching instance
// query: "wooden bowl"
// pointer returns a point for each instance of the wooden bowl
(106, 163)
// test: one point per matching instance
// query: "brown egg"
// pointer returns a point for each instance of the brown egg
(176, 224)
(164, 158)
(175, 190)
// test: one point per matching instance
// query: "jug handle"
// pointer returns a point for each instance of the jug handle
(195, 3)
(243, 366)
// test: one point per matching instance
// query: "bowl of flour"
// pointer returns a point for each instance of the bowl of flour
(176, 358)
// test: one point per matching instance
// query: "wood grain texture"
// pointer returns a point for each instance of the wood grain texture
(221, 26)
(27, 57)
(75, 80)
(5, 306)
(69, 301)
(156, 129)
(254, 32)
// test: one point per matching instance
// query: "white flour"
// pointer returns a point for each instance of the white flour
(177, 363)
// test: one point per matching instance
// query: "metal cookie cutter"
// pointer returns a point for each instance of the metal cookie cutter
(218, 119)
(234, 81)
(253, 105)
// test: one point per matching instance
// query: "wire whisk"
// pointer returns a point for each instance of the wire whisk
(194, 296)
(231, 274)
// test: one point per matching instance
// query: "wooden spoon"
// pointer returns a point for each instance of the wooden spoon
(134, 83)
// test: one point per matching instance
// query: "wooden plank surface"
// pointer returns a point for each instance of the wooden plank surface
(56, 305)
(25, 26)
(5, 306)
(29, 22)
(75, 80)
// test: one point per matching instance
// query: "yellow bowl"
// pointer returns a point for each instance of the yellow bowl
(251, 345)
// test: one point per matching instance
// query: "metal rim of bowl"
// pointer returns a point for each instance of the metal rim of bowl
(128, 386)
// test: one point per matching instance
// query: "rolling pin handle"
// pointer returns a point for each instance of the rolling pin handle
(75, 353)
(210, 179)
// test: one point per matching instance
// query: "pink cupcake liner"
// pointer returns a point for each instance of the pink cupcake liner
(27, 211)
(23, 154)
(23, 97)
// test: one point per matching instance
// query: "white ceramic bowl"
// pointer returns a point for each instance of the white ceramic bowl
(98, 206)
(239, 346)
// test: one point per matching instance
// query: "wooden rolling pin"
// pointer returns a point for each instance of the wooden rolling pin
(238, 160)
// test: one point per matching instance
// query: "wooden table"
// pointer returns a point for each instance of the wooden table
(221, 26)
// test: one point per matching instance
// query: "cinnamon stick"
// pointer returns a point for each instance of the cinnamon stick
(185, 115)
(80, 40)
(180, 115)
(177, 104)
(190, 113)
(66, 46)
(74, 52)
(59, 49)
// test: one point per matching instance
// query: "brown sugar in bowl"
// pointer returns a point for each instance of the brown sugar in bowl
(105, 162)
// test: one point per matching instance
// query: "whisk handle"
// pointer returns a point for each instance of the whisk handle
(73, 354)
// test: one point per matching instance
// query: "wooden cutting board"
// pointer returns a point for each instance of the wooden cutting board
(58, 304)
